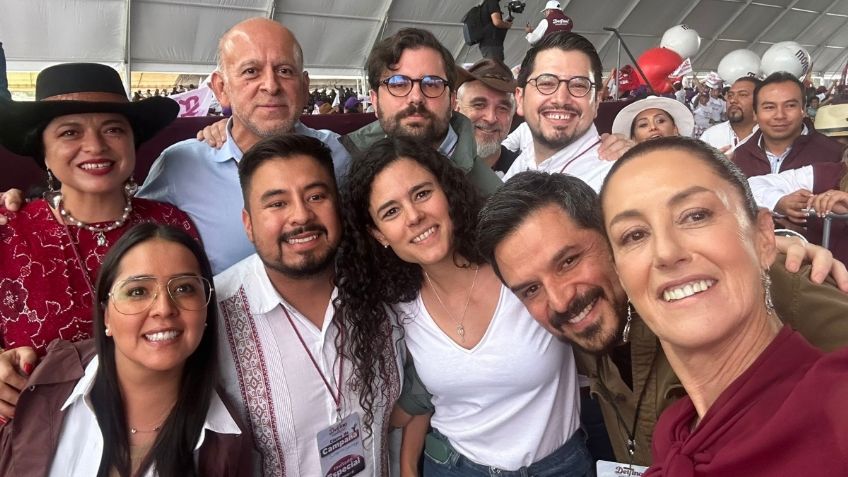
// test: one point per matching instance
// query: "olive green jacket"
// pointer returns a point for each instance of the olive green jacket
(818, 312)
(464, 155)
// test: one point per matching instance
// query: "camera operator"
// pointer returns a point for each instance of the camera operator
(491, 46)
(555, 20)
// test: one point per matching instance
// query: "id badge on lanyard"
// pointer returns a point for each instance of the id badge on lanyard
(340, 448)
(606, 468)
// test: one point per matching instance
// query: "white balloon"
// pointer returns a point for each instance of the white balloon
(681, 39)
(739, 63)
(786, 56)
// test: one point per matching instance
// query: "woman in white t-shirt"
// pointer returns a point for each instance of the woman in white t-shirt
(504, 391)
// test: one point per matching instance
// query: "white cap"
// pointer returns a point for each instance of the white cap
(551, 5)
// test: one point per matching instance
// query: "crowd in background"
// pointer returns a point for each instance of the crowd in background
(176, 89)
(406, 274)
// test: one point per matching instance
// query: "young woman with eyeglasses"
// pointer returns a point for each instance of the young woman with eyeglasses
(139, 399)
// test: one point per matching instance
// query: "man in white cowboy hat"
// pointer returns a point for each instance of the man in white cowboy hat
(832, 121)
(555, 20)
(653, 117)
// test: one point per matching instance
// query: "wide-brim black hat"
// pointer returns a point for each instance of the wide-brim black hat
(74, 88)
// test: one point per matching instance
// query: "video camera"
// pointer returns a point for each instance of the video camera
(514, 6)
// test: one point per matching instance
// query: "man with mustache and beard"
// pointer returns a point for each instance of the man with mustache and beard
(544, 236)
(284, 354)
(413, 80)
(741, 123)
(559, 89)
(486, 99)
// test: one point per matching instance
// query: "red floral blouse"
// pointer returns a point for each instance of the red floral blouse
(43, 292)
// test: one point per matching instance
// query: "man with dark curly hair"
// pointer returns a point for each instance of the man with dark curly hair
(308, 381)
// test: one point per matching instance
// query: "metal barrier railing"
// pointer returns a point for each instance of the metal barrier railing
(827, 222)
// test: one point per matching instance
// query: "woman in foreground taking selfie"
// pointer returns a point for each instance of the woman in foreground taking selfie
(139, 399)
(692, 250)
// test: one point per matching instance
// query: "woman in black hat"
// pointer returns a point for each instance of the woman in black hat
(84, 131)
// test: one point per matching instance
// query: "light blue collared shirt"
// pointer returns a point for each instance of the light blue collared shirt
(203, 182)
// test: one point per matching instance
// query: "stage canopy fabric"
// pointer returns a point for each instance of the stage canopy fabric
(181, 35)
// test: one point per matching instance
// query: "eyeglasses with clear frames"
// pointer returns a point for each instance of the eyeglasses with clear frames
(547, 84)
(401, 85)
(137, 295)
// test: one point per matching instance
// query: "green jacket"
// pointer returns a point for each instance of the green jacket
(818, 312)
(464, 156)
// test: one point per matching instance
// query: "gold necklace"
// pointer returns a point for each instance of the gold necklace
(157, 428)
(460, 328)
(134, 430)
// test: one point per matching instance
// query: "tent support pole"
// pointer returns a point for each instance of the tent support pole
(127, 50)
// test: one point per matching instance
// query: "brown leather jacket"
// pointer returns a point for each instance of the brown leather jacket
(28, 442)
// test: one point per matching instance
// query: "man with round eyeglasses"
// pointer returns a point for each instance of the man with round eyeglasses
(558, 94)
(413, 80)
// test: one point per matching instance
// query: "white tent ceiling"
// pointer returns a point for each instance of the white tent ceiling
(181, 35)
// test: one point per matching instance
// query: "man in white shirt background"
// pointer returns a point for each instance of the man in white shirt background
(741, 123)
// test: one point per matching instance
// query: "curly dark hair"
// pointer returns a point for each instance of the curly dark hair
(370, 277)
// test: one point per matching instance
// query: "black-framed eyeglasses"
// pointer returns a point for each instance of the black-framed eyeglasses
(400, 85)
(547, 84)
(137, 295)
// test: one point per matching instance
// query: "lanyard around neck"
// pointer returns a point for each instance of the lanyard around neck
(337, 396)
(580, 154)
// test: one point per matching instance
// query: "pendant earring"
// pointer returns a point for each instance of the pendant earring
(130, 187)
(51, 195)
(766, 279)
(625, 335)
(51, 181)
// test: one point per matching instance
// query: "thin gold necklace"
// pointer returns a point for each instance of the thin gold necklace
(157, 428)
(460, 328)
